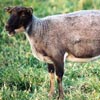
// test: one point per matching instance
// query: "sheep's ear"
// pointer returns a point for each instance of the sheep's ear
(30, 10)
(8, 9)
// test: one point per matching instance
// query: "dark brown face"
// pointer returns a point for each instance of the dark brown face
(19, 17)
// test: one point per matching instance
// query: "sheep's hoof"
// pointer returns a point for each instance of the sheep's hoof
(61, 97)
(50, 95)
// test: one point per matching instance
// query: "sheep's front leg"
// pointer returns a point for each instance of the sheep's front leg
(51, 74)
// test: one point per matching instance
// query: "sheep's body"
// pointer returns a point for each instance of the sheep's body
(76, 33)
(53, 38)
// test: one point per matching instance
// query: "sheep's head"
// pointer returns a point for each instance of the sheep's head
(19, 19)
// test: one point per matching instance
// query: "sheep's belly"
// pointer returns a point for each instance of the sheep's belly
(70, 57)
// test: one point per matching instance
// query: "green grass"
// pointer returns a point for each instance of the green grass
(22, 77)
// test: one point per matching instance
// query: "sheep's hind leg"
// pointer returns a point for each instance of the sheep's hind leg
(59, 74)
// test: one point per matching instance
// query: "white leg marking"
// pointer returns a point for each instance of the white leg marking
(65, 55)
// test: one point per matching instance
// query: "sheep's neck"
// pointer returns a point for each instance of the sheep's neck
(37, 27)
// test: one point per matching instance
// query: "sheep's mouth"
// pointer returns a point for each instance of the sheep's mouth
(10, 30)
(11, 33)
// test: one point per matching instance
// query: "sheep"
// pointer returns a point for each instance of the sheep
(54, 39)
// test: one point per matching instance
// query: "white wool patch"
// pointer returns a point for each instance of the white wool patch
(21, 29)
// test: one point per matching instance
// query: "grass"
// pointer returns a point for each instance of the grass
(22, 77)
